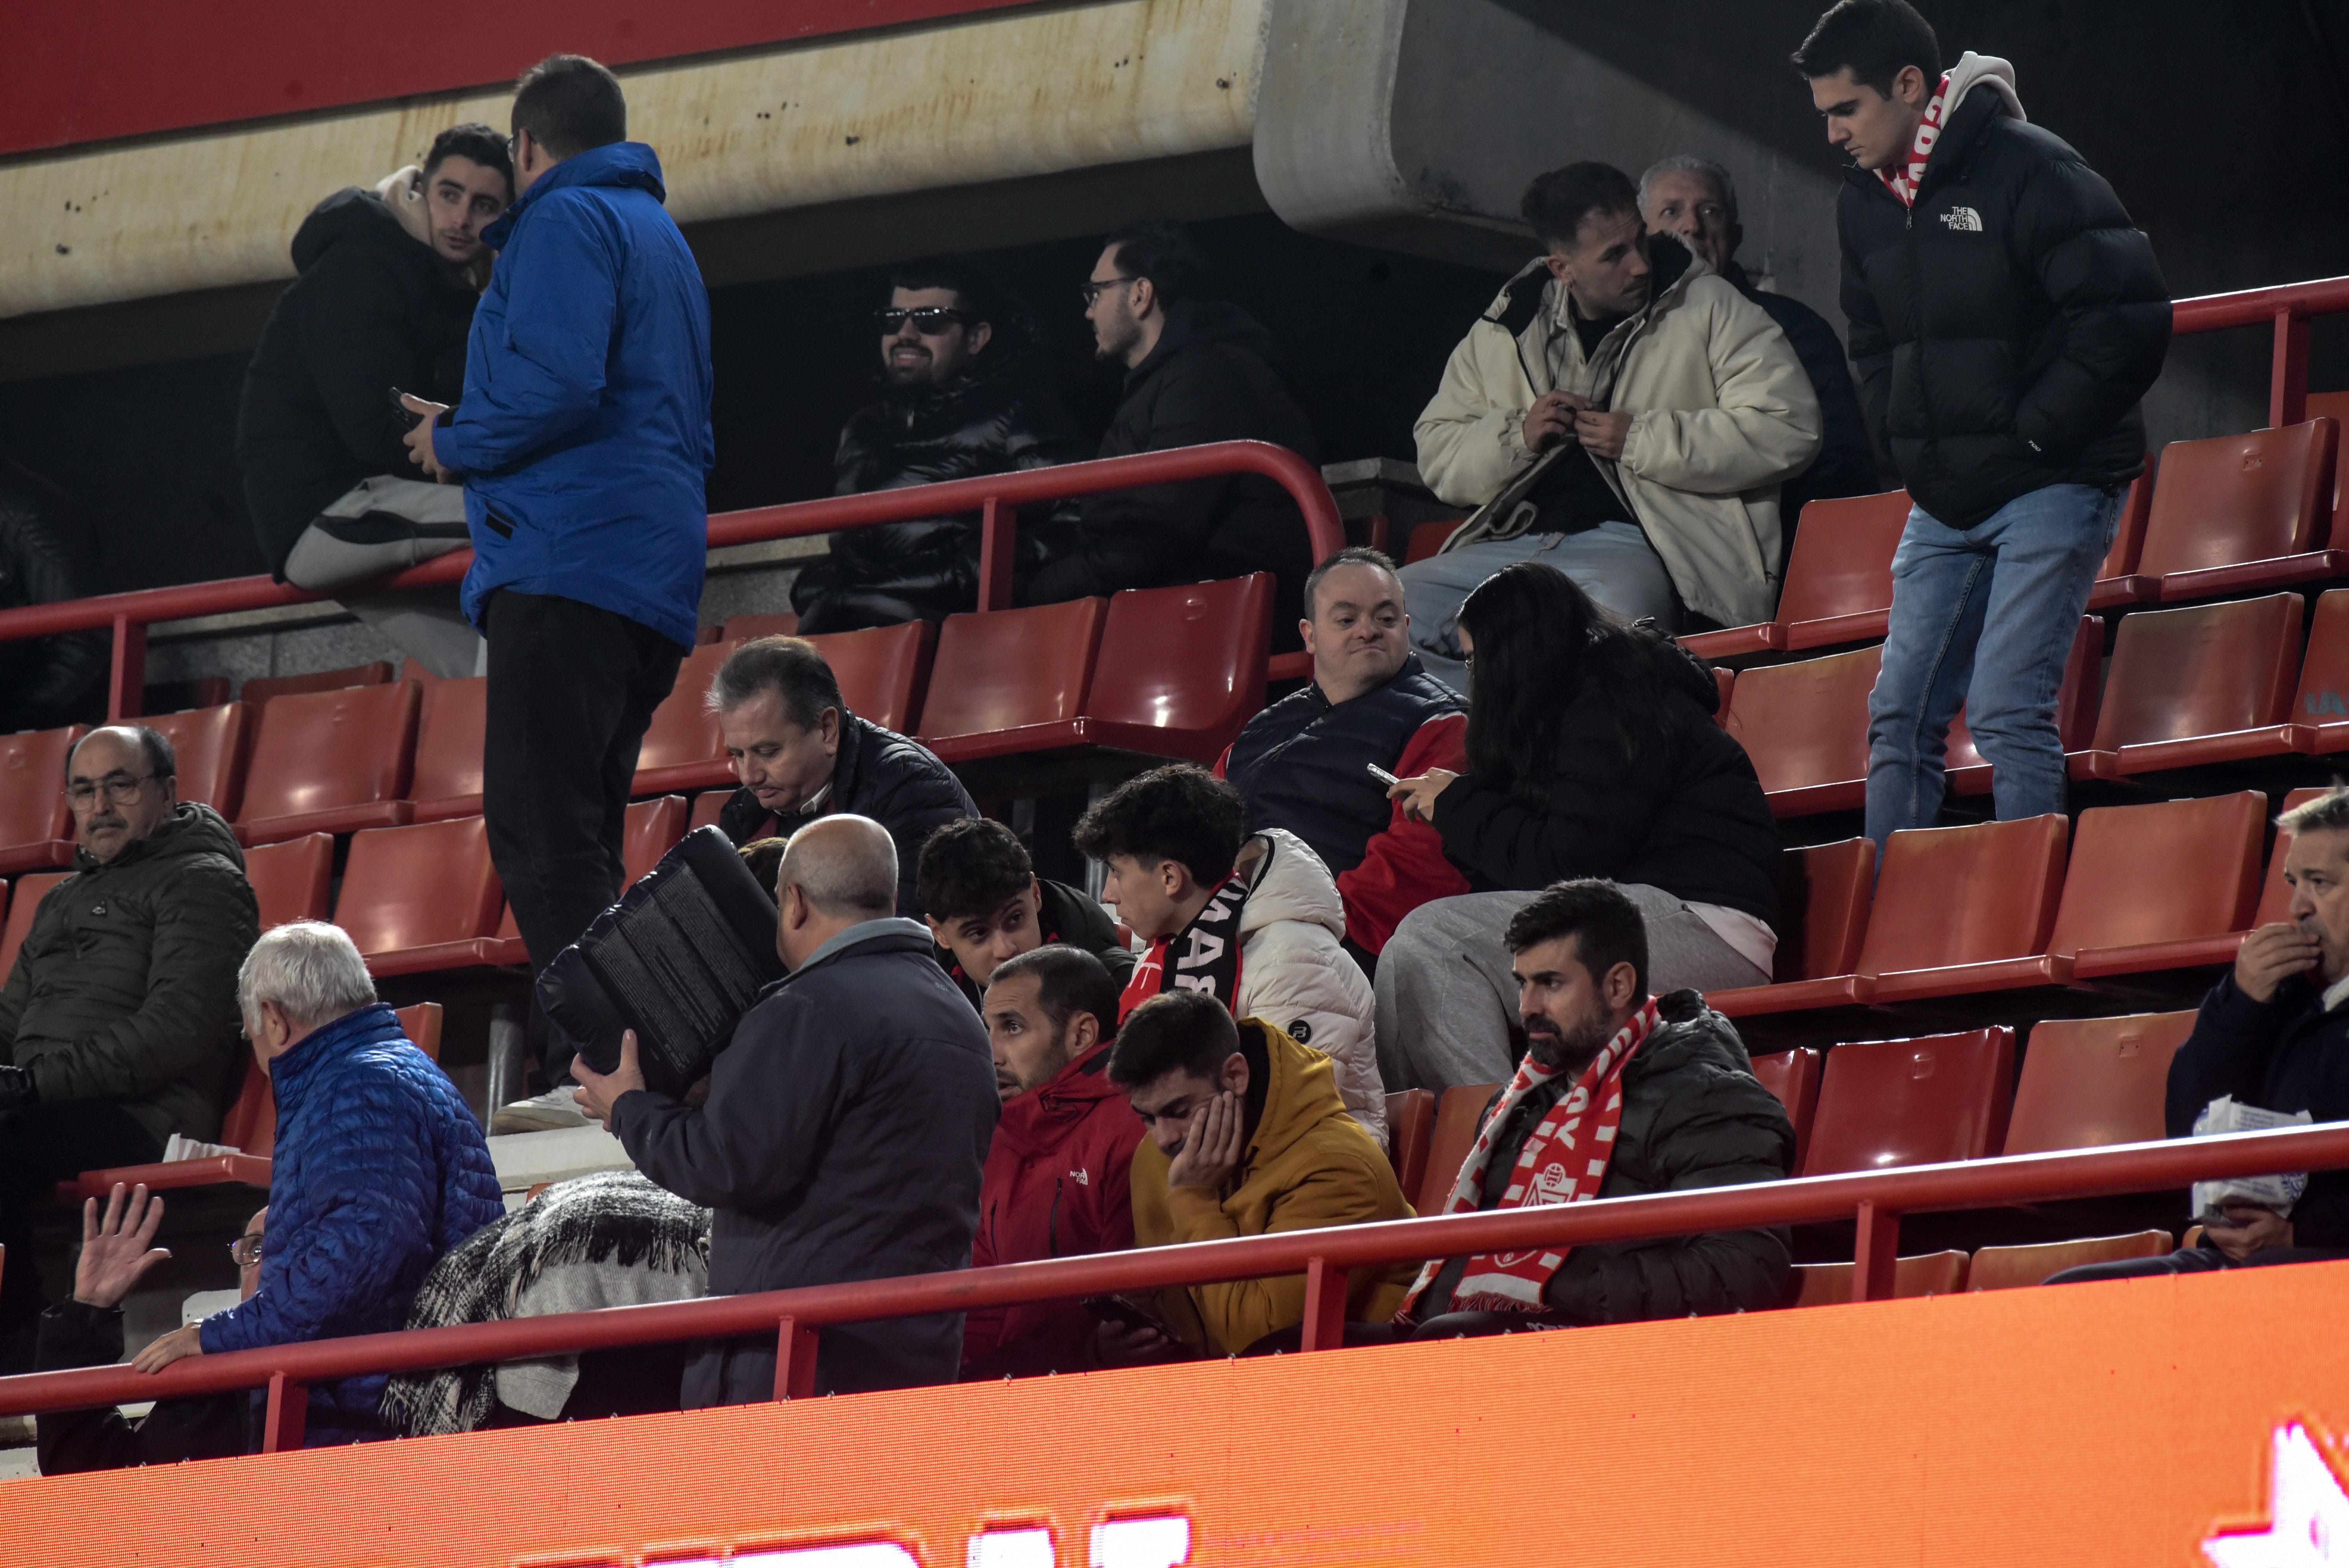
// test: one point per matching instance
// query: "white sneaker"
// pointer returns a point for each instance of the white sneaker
(558, 1107)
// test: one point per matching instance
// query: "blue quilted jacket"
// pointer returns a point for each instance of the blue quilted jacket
(379, 1169)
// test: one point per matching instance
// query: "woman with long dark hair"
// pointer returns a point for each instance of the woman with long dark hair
(1592, 752)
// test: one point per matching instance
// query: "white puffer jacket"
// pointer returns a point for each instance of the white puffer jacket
(1295, 976)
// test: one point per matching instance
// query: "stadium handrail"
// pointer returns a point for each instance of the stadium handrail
(1876, 1200)
(997, 497)
(2289, 307)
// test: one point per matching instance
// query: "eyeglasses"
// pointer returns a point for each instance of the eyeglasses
(929, 320)
(120, 789)
(1091, 287)
(246, 1250)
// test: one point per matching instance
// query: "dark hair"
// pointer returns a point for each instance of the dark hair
(1875, 38)
(475, 141)
(1605, 925)
(153, 744)
(1176, 1031)
(1179, 813)
(1556, 202)
(1540, 645)
(568, 103)
(1167, 255)
(788, 667)
(765, 857)
(1069, 980)
(974, 866)
(974, 295)
(1352, 555)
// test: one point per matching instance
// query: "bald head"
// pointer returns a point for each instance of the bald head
(839, 871)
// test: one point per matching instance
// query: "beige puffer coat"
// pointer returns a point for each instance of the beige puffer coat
(1721, 415)
(1295, 976)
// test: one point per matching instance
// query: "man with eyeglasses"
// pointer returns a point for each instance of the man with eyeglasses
(962, 396)
(1197, 369)
(117, 1022)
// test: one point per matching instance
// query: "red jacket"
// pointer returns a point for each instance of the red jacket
(1055, 1187)
(1405, 866)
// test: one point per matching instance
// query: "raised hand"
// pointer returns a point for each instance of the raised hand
(119, 1247)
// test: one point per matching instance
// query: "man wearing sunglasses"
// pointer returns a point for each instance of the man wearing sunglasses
(118, 1021)
(962, 396)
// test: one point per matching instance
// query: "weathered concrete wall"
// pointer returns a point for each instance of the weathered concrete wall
(992, 98)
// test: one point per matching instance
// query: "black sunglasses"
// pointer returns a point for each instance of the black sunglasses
(930, 320)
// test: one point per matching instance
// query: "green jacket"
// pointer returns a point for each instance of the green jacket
(126, 986)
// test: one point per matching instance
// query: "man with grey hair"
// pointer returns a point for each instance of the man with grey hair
(846, 1127)
(801, 753)
(1694, 199)
(379, 1169)
(118, 1021)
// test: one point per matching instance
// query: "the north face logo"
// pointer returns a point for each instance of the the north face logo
(1963, 219)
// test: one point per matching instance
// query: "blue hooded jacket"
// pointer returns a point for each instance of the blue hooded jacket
(379, 1169)
(584, 436)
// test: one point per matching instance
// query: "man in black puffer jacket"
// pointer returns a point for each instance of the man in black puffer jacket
(48, 553)
(1197, 370)
(963, 401)
(2005, 320)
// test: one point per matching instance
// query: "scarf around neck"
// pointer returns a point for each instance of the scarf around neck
(1903, 178)
(1561, 1163)
(1206, 959)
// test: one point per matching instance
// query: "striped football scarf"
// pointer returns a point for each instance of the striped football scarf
(1902, 178)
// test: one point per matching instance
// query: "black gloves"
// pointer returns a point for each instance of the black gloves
(16, 1089)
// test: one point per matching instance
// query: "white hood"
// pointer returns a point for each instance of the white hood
(1289, 883)
(1974, 71)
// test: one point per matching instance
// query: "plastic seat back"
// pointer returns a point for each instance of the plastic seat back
(2087, 1082)
(1912, 1102)
(2323, 694)
(421, 1023)
(742, 628)
(1823, 898)
(290, 880)
(262, 689)
(419, 886)
(33, 812)
(1926, 1273)
(1842, 561)
(705, 808)
(1794, 1077)
(651, 830)
(1410, 1122)
(683, 732)
(23, 902)
(2275, 893)
(1457, 1113)
(450, 727)
(1182, 668)
(2231, 499)
(2076, 705)
(2129, 531)
(2205, 669)
(2161, 871)
(883, 671)
(2335, 405)
(1804, 724)
(2007, 1268)
(208, 747)
(317, 751)
(250, 1124)
(1012, 669)
(1965, 895)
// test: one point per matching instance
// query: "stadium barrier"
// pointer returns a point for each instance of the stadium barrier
(1875, 1199)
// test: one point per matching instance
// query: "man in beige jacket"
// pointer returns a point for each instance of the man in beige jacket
(1622, 412)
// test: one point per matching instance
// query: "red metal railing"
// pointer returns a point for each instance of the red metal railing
(2289, 306)
(1877, 1199)
(998, 499)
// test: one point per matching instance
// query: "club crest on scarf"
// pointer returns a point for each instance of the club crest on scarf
(1564, 1160)
(1207, 953)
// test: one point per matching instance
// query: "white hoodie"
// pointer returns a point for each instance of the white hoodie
(1295, 976)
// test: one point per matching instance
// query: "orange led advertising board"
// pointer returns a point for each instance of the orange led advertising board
(2184, 1421)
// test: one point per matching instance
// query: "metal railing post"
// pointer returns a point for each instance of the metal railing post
(1875, 1254)
(2288, 371)
(1325, 1305)
(999, 539)
(794, 1360)
(287, 1411)
(126, 684)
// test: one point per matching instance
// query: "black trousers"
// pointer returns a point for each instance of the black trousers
(571, 687)
(2191, 1259)
(40, 1146)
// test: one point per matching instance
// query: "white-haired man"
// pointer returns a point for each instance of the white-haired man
(379, 1169)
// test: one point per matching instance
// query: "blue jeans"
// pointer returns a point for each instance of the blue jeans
(1983, 618)
(1612, 562)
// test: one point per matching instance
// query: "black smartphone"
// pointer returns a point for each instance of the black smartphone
(408, 415)
(1117, 1309)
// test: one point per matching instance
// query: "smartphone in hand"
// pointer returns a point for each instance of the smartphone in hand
(1382, 775)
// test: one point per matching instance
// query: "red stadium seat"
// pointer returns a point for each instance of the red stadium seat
(682, 748)
(1794, 1077)
(1725, 682)
(2319, 711)
(2335, 405)
(291, 877)
(208, 746)
(742, 628)
(2087, 1082)
(1927, 1273)
(420, 898)
(2117, 583)
(1969, 773)
(1427, 540)
(651, 830)
(883, 671)
(450, 727)
(35, 828)
(1823, 903)
(705, 808)
(1011, 681)
(1458, 1113)
(263, 688)
(2009, 1268)
(2212, 682)
(1410, 1122)
(2160, 886)
(330, 762)
(1839, 580)
(1912, 1102)
(1806, 727)
(2238, 514)
(24, 901)
(1183, 668)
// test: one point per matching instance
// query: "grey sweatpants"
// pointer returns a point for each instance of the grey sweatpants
(381, 525)
(1612, 562)
(1446, 1002)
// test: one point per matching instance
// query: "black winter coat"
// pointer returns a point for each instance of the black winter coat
(1847, 462)
(2006, 326)
(191, 1427)
(1303, 764)
(1687, 815)
(374, 308)
(990, 420)
(48, 553)
(844, 1139)
(1693, 1116)
(2285, 1055)
(1210, 378)
(876, 773)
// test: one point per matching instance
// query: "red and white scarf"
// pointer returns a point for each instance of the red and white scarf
(1902, 178)
(1207, 953)
(1563, 1161)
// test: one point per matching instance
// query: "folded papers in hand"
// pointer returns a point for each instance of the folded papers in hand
(2280, 1193)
